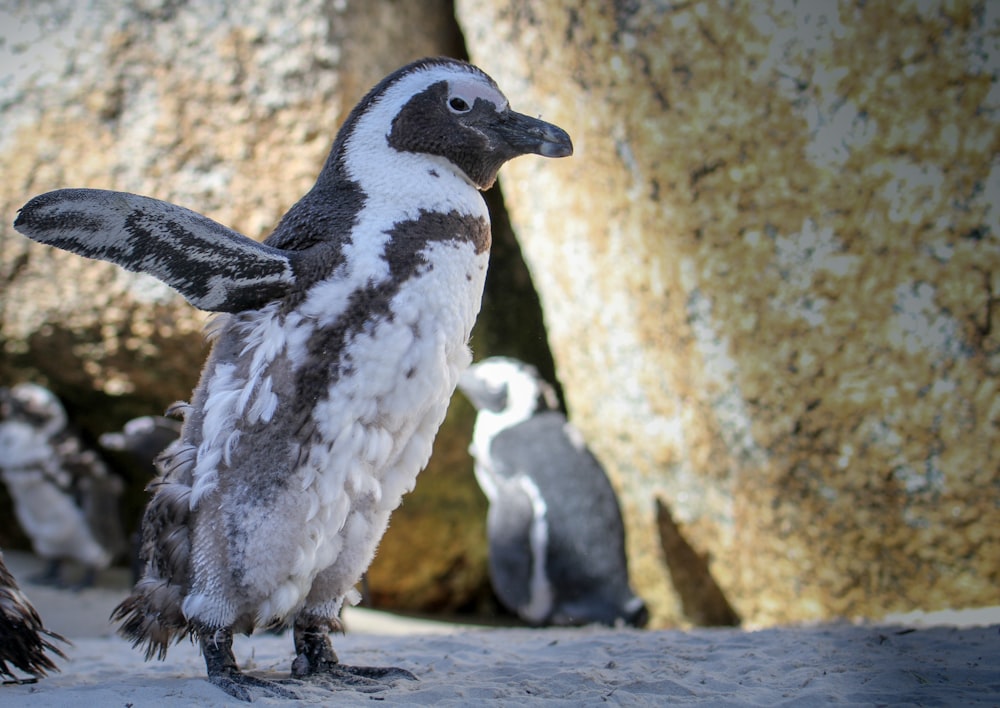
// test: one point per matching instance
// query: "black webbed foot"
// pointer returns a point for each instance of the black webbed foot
(86, 581)
(217, 647)
(51, 576)
(316, 661)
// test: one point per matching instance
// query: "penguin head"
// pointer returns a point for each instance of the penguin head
(144, 437)
(33, 405)
(507, 386)
(452, 111)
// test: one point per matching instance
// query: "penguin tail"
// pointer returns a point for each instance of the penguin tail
(151, 616)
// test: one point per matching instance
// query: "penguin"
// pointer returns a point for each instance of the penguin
(24, 641)
(338, 344)
(143, 439)
(64, 497)
(555, 531)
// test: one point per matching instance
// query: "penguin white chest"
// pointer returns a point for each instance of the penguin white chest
(381, 413)
(395, 377)
(372, 393)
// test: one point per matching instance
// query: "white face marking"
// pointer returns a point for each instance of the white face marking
(465, 90)
(395, 182)
(522, 402)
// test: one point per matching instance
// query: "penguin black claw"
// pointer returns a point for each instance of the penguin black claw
(316, 660)
(217, 648)
(341, 341)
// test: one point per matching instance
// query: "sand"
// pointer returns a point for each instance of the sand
(942, 659)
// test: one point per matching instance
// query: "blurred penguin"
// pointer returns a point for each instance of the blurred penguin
(24, 642)
(143, 439)
(64, 497)
(556, 537)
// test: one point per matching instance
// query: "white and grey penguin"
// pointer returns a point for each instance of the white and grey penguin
(341, 341)
(24, 641)
(555, 531)
(64, 496)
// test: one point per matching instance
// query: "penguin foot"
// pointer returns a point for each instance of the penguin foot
(223, 672)
(87, 581)
(316, 661)
(365, 679)
(51, 576)
(242, 686)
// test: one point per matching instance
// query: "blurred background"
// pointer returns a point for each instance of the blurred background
(765, 284)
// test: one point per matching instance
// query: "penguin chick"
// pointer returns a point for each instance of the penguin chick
(23, 640)
(64, 497)
(556, 537)
(344, 335)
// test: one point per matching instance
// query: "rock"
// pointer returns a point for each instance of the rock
(770, 278)
(229, 109)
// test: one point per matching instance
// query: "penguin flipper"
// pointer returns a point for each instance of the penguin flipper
(509, 523)
(212, 266)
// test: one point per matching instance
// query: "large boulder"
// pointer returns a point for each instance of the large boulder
(770, 279)
(230, 109)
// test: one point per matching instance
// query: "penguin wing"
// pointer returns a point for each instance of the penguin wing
(568, 476)
(212, 266)
(508, 526)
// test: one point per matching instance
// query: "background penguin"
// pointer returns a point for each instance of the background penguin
(331, 371)
(142, 440)
(64, 496)
(556, 538)
(23, 640)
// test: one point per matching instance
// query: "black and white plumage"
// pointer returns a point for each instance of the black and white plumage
(24, 641)
(328, 379)
(64, 497)
(556, 537)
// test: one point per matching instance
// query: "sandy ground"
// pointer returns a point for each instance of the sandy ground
(943, 659)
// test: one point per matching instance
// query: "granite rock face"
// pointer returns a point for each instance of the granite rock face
(229, 109)
(770, 277)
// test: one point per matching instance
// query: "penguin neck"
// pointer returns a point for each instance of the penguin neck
(489, 423)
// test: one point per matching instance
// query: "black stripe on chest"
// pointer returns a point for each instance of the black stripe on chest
(406, 254)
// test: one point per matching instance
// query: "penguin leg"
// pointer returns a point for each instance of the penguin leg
(316, 660)
(51, 576)
(87, 580)
(217, 648)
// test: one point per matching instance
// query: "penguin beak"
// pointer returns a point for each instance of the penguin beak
(531, 135)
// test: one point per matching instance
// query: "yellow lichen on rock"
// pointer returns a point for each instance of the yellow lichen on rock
(769, 275)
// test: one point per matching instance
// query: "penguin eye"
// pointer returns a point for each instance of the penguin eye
(458, 105)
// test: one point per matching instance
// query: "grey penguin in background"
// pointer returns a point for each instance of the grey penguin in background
(556, 537)
(340, 343)
(65, 498)
(24, 641)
